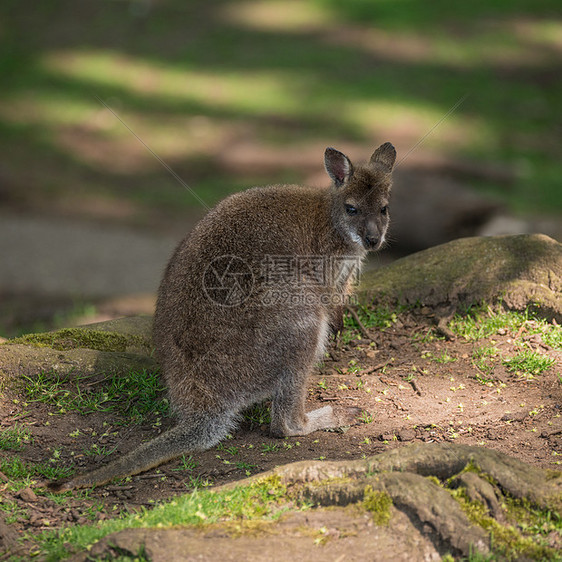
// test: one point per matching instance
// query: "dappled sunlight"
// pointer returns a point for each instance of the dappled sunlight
(81, 127)
(252, 91)
(46, 110)
(495, 42)
(278, 15)
(543, 33)
(407, 124)
(224, 92)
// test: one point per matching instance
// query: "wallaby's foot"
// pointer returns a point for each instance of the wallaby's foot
(348, 415)
(322, 418)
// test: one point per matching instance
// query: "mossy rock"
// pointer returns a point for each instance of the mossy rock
(523, 271)
(114, 346)
(122, 335)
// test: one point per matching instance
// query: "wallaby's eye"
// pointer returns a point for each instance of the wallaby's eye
(384, 210)
(351, 210)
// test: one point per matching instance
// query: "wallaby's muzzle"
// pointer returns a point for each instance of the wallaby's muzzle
(371, 241)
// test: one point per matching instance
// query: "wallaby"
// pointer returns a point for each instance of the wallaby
(246, 303)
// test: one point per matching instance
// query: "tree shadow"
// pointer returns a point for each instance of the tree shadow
(124, 51)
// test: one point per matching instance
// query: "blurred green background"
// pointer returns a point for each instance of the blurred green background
(235, 93)
(231, 94)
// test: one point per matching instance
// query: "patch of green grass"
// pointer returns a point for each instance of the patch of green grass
(196, 482)
(507, 539)
(427, 336)
(529, 363)
(378, 318)
(259, 414)
(246, 467)
(13, 511)
(22, 472)
(96, 450)
(135, 396)
(14, 438)
(188, 464)
(484, 358)
(15, 467)
(52, 471)
(443, 357)
(532, 520)
(366, 417)
(551, 335)
(481, 322)
(264, 500)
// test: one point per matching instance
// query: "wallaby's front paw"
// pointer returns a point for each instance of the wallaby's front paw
(348, 416)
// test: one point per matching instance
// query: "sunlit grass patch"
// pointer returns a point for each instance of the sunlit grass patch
(135, 396)
(485, 359)
(529, 363)
(15, 437)
(482, 322)
(262, 500)
(21, 472)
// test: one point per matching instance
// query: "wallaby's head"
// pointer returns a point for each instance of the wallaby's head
(360, 195)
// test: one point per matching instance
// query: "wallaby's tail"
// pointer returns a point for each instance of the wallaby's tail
(186, 437)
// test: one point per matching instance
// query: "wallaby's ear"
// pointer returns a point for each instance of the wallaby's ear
(384, 157)
(338, 166)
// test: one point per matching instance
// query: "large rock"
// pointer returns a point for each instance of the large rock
(522, 271)
(115, 346)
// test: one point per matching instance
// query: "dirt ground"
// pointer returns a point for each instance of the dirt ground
(411, 385)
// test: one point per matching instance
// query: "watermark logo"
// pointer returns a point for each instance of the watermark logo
(302, 280)
(228, 281)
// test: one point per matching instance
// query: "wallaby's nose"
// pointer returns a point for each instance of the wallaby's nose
(371, 241)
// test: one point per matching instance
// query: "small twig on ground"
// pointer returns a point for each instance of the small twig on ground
(362, 329)
(521, 330)
(379, 366)
(416, 388)
(387, 381)
(442, 323)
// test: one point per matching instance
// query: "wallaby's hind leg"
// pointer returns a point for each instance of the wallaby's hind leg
(288, 416)
(195, 434)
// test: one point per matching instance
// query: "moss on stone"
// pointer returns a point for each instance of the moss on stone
(506, 539)
(471, 466)
(522, 271)
(378, 503)
(75, 338)
(435, 480)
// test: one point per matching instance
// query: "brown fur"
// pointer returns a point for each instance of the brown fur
(221, 352)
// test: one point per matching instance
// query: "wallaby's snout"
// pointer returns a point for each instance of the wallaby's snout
(371, 241)
(373, 234)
